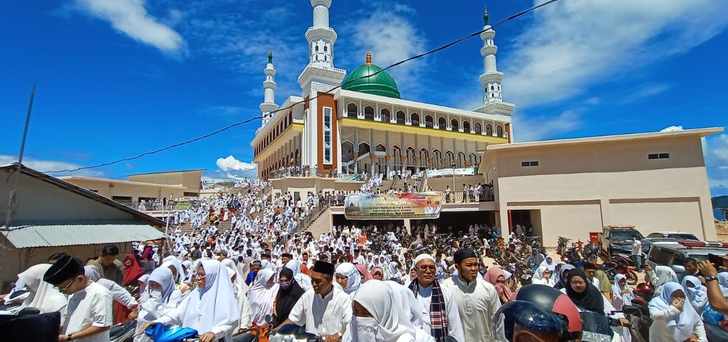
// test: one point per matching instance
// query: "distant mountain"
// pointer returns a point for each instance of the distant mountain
(720, 202)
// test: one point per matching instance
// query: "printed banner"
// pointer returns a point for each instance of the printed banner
(467, 171)
(396, 206)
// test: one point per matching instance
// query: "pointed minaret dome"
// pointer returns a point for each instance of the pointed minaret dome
(269, 89)
(491, 78)
(368, 58)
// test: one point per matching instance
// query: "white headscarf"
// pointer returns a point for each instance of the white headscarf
(380, 300)
(164, 277)
(45, 297)
(214, 304)
(681, 326)
(620, 297)
(303, 280)
(174, 262)
(697, 294)
(261, 296)
(349, 271)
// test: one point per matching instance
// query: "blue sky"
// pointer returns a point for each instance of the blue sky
(119, 77)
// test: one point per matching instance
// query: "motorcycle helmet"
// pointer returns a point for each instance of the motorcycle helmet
(541, 309)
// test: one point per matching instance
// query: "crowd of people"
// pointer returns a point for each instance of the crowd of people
(236, 267)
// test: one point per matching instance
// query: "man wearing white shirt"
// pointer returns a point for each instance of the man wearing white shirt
(88, 316)
(325, 310)
(440, 316)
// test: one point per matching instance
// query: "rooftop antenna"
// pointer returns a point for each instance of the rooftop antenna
(13, 177)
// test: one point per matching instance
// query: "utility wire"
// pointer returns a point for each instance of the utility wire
(307, 99)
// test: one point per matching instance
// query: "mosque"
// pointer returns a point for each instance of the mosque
(344, 125)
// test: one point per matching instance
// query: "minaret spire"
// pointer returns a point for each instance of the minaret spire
(269, 89)
(491, 78)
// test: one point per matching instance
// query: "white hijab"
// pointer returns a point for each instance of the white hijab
(214, 304)
(174, 262)
(261, 296)
(44, 296)
(682, 326)
(380, 299)
(303, 280)
(349, 271)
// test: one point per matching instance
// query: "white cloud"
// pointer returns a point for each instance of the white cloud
(717, 163)
(537, 128)
(720, 149)
(672, 129)
(646, 91)
(131, 18)
(391, 36)
(230, 163)
(572, 45)
(48, 165)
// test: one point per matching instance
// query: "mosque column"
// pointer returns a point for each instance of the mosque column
(356, 151)
(372, 148)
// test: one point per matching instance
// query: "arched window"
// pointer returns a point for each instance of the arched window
(400, 117)
(380, 148)
(449, 159)
(363, 149)
(499, 130)
(442, 123)
(397, 156)
(489, 129)
(368, 113)
(411, 157)
(428, 121)
(466, 127)
(385, 116)
(351, 110)
(478, 129)
(473, 159)
(461, 160)
(415, 119)
(454, 124)
(347, 151)
(424, 158)
(436, 159)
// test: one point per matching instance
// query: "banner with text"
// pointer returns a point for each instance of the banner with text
(395, 206)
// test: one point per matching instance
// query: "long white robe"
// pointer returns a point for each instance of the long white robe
(323, 316)
(477, 304)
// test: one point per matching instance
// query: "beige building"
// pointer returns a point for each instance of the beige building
(147, 187)
(656, 181)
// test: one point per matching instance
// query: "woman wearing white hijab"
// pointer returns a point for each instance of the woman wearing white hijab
(43, 296)
(621, 294)
(659, 276)
(545, 276)
(303, 280)
(673, 319)
(210, 308)
(348, 277)
(696, 293)
(262, 295)
(379, 317)
(160, 286)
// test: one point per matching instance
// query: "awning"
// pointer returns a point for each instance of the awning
(79, 234)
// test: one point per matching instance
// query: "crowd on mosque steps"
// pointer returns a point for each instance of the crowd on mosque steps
(360, 282)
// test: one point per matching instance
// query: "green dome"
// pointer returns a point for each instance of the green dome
(380, 84)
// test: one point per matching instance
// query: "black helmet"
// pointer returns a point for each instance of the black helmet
(540, 308)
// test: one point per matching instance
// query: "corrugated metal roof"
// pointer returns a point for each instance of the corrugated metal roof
(79, 234)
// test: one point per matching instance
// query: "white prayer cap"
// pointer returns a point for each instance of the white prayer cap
(424, 256)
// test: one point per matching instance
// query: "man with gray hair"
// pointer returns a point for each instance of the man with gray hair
(440, 314)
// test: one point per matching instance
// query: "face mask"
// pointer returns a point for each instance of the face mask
(364, 329)
(155, 293)
(284, 285)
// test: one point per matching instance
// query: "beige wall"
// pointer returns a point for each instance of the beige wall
(111, 189)
(189, 179)
(580, 187)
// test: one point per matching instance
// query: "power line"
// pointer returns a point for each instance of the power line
(223, 129)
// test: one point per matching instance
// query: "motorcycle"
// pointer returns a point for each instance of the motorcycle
(620, 265)
(123, 332)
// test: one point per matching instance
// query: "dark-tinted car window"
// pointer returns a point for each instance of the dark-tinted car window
(683, 237)
(624, 235)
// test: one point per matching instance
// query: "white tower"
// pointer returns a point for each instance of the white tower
(318, 77)
(269, 90)
(491, 78)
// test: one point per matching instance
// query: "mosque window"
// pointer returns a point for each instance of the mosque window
(658, 156)
(499, 130)
(436, 159)
(489, 129)
(478, 129)
(454, 124)
(351, 110)
(385, 116)
(428, 121)
(442, 123)
(415, 119)
(368, 113)
(327, 135)
(326, 48)
(400, 117)
(529, 163)
(466, 127)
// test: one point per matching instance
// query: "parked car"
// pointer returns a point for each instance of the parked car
(619, 239)
(674, 255)
(664, 237)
